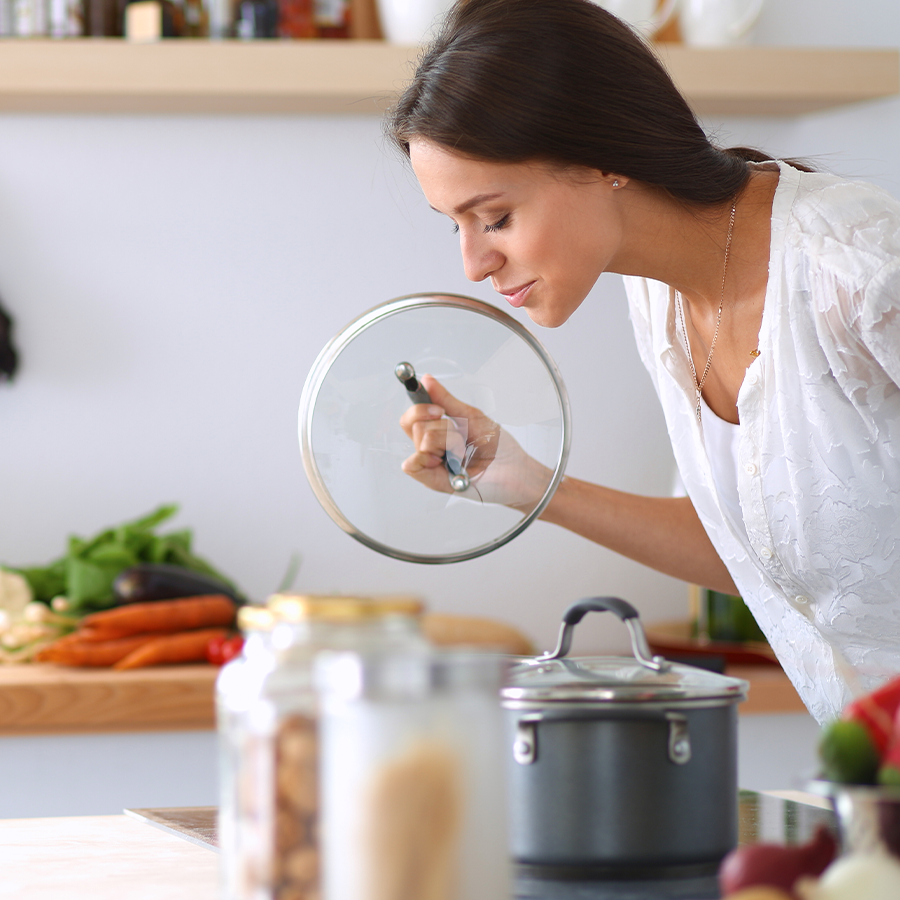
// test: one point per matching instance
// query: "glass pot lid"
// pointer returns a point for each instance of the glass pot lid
(504, 459)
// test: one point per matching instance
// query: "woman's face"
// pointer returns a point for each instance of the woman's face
(543, 235)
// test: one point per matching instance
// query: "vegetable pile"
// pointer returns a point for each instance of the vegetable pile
(86, 573)
(146, 634)
(46, 612)
(862, 747)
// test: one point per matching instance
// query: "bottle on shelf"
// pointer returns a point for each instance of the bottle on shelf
(65, 18)
(256, 19)
(296, 19)
(332, 18)
(102, 18)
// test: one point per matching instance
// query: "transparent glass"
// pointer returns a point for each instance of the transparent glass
(353, 446)
(268, 721)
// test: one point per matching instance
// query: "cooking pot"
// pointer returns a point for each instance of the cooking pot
(620, 766)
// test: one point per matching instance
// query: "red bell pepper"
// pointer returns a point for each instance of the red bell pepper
(876, 712)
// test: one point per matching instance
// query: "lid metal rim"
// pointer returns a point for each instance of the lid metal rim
(560, 706)
(321, 367)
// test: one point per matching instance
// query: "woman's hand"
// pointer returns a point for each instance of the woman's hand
(499, 470)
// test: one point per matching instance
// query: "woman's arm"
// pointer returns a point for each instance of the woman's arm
(663, 533)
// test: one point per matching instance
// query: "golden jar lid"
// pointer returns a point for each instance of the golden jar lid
(337, 608)
(256, 618)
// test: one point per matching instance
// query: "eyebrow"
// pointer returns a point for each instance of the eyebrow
(474, 201)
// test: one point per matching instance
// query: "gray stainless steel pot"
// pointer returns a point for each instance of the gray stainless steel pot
(621, 765)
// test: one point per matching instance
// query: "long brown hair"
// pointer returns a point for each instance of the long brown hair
(564, 82)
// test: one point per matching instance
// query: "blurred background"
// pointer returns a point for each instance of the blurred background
(172, 279)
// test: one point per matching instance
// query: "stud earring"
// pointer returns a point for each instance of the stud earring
(615, 183)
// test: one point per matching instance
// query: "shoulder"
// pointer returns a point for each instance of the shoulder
(851, 228)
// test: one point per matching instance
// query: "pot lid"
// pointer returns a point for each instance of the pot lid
(353, 447)
(616, 680)
(556, 678)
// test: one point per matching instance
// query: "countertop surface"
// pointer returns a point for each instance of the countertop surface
(102, 858)
(171, 855)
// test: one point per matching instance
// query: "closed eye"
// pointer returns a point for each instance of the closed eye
(497, 226)
(502, 223)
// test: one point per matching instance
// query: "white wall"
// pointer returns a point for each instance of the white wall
(172, 280)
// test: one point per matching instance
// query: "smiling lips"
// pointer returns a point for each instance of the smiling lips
(516, 297)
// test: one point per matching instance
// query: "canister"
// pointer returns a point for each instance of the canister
(268, 723)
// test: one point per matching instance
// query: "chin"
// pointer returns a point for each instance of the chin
(547, 320)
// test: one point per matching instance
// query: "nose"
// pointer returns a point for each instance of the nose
(479, 259)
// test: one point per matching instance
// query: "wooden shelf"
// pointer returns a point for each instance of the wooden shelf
(46, 699)
(359, 77)
(780, 81)
(771, 692)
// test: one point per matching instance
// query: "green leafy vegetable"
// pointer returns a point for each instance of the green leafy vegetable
(86, 573)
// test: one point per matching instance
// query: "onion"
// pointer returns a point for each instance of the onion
(776, 865)
(873, 876)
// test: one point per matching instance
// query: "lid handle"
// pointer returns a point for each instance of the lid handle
(625, 611)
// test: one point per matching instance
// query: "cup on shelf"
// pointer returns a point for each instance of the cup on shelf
(646, 16)
(717, 23)
(410, 21)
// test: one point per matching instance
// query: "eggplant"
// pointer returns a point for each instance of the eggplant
(163, 581)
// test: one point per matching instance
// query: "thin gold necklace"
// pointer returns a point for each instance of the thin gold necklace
(687, 345)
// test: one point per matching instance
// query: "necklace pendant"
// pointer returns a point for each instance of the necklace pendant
(754, 353)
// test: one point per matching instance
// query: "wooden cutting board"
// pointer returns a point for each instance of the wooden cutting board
(197, 824)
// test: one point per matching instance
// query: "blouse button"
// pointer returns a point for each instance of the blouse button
(800, 600)
(750, 468)
(765, 553)
(753, 378)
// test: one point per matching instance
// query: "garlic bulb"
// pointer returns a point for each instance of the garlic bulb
(873, 876)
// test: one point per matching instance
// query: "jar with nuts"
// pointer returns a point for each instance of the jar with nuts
(268, 721)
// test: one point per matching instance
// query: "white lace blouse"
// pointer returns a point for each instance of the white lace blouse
(817, 553)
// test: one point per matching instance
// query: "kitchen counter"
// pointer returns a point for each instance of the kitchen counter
(140, 857)
(40, 699)
(102, 858)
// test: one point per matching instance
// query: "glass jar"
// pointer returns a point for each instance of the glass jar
(413, 757)
(267, 716)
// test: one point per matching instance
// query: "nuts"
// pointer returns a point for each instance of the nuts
(278, 813)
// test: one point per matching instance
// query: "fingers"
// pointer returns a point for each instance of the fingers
(440, 396)
(418, 417)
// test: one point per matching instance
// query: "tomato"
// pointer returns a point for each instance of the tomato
(221, 650)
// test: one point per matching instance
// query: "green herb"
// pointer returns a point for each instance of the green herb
(86, 573)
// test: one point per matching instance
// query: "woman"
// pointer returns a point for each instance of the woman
(765, 301)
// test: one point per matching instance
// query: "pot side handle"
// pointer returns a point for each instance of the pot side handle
(621, 608)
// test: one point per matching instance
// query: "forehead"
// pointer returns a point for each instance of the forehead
(450, 179)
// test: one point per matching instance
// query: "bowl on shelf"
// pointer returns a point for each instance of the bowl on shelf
(675, 639)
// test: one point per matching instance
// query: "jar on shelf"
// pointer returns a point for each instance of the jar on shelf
(268, 721)
(722, 617)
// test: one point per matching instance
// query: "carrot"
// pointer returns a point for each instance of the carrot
(70, 651)
(182, 647)
(183, 614)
